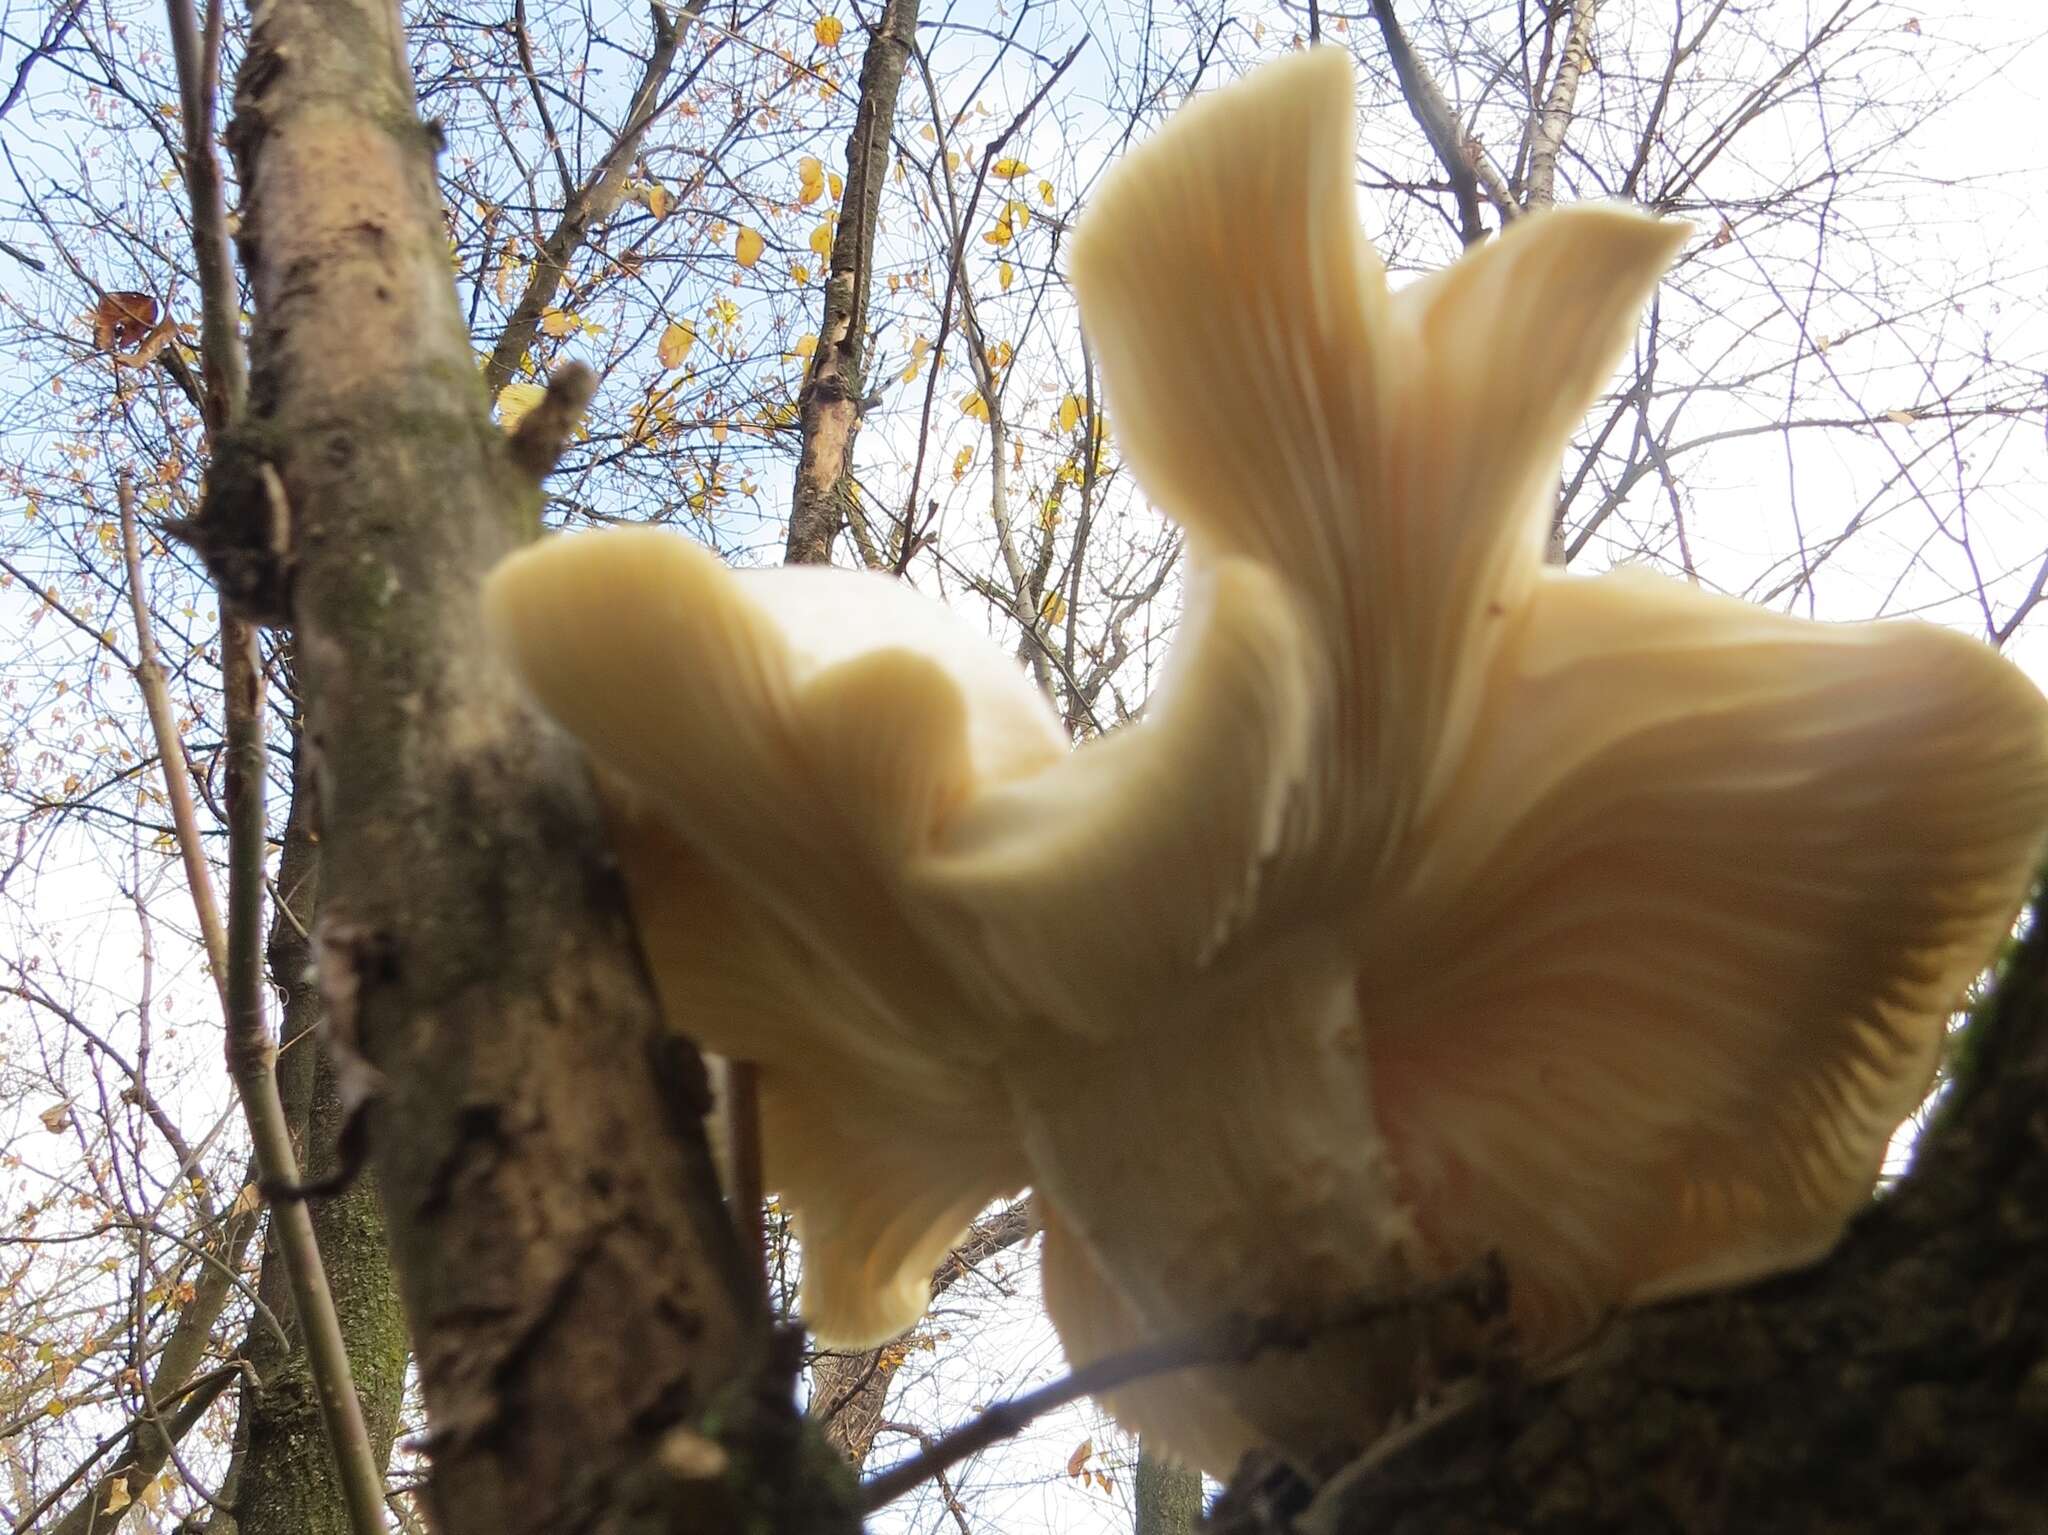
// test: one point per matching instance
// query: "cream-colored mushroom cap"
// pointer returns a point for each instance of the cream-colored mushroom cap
(1443, 904)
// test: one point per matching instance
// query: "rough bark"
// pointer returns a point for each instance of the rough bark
(287, 1484)
(1900, 1386)
(1169, 1496)
(594, 1355)
(849, 1391)
(829, 405)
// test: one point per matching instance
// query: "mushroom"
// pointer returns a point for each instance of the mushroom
(1443, 905)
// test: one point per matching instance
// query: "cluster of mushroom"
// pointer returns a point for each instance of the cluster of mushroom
(1442, 905)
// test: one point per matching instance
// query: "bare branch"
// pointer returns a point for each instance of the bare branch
(1548, 140)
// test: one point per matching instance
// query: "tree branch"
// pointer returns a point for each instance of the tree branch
(1548, 140)
(1235, 1340)
(1460, 157)
(156, 700)
(592, 203)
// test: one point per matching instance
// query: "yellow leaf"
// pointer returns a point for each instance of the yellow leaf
(1070, 412)
(953, 162)
(806, 346)
(821, 239)
(799, 273)
(1045, 193)
(1002, 234)
(810, 176)
(676, 342)
(56, 1409)
(748, 247)
(930, 137)
(515, 401)
(719, 431)
(916, 364)
(117, 1495)
(974, 405)
(838, 183)
(1005, 274)
(659, 201)
(961, 460)
(1053, 608)
(828, 31)
(556, 323)
(1900, 417)
(1080, 1456)
(1010, 168)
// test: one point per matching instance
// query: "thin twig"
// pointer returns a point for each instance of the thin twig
(54, 33)
(224, 370)
(170, 750)
(196, 1394)
(1237, 1340)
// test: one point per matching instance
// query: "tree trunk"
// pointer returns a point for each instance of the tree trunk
(830, 404)
(287, 1484)
(594, 1353)
(1902, 1385)
(1169, 1500)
